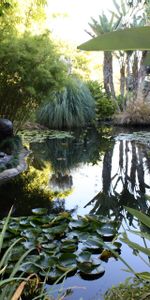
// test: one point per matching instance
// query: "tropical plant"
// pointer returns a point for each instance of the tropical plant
(100, 27)
(70, 108)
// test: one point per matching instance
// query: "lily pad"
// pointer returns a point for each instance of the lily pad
(67, 261)
(39, 211)
(96, 273)
(107, 231)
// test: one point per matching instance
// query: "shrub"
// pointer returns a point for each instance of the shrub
(137, 113)
(70, 108)
(29, 70)
(105, 108)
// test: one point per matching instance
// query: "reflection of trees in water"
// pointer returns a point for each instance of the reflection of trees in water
(125, 180)
(28, 191)
(59, 182)
(67, 153)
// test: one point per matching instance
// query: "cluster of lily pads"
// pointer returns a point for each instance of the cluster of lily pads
(58, 245)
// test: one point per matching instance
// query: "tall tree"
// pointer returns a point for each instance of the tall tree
(103, 25)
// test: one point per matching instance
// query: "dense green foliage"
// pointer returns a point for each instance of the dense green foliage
(105, 108)
(70, 108)
(29, 70)
(48, 245)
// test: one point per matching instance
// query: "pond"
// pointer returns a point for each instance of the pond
(94, 172)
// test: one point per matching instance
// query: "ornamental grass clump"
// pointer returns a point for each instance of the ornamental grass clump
(70, 108)
(137, 113)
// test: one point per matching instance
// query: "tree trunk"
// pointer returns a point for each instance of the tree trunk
(135, 74)
(108, 74)
(122, 80)
(141, 77)
(108, 77)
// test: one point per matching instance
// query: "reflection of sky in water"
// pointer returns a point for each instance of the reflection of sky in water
(87, 178)
(86, 184)
(114, 273)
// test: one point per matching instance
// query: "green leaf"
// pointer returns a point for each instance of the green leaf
(107, 230)
(39, 211)
(67, 261)
(144, 275)
(134, 245)
(141, 234)
(93, 244)
(139, 215)
(127, 39)
(78, 224)
(68, 248)
(2, 235)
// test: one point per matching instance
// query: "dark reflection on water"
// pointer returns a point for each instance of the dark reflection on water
(91, 171)
(125, 180)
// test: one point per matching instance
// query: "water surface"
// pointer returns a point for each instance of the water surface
(90, 173)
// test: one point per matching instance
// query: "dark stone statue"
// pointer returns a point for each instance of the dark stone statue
(6, 128)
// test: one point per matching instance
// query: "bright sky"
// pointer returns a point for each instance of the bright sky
(79, 13)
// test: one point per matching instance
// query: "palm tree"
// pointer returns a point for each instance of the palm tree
(103, 25)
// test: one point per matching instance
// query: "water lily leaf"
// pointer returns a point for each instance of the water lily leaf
(76, 234)
(53, 274)
(67, 261)
(24, 222)
(78, 224)
(94, 244)
(31, 233)
(86, 266)
(84, 256)
(50, 246)
(47, 236)
(14, 228)
(93, 274)
(17, 252)
(69, 241)
(47, 261)
(39, 211)
(29, 244)
(60, 229)
(29, 268)
(107, 231)
(68, 248)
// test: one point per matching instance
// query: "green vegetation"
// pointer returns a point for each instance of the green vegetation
(105, 107)
(48, 246)
(139, 287)
(129, 290)
(73, 107)
(29, 71)
(126, 31)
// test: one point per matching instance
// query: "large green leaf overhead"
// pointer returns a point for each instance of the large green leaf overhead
(127, 39)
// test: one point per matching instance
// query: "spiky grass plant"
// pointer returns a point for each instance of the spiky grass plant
(73, 107)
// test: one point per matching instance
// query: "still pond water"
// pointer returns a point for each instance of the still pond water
(89, 172)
